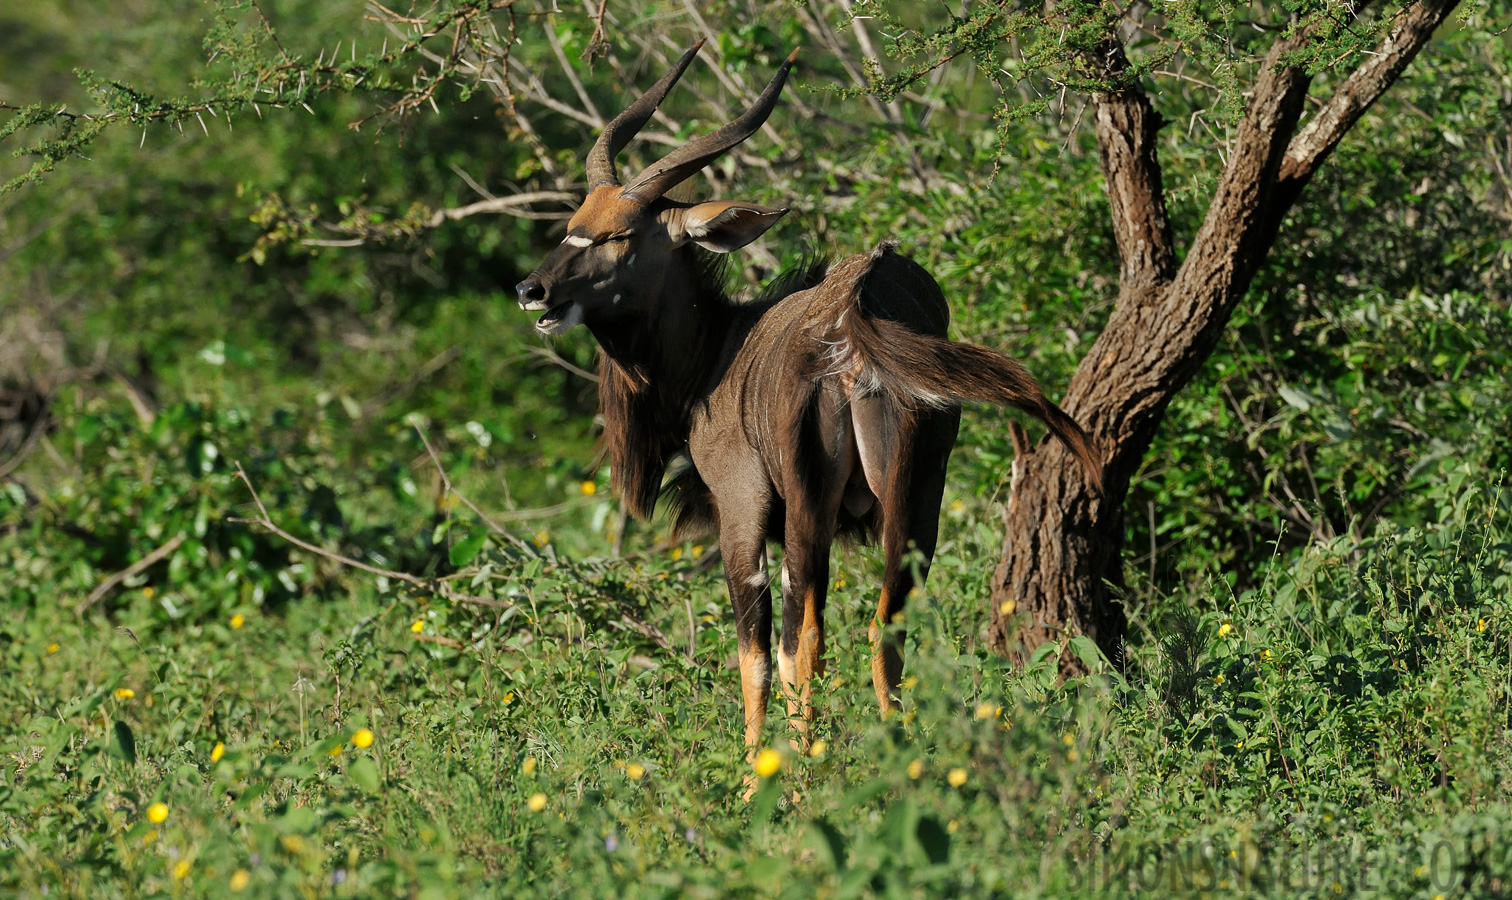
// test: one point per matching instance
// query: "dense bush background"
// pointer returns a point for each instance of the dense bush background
(1316, 696)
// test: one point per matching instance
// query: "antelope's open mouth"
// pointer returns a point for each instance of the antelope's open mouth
(560, 318)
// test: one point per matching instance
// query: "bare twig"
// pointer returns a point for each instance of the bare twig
(137, 567)
(550, 355)
(27, 446)
(431, 367)
(511, 205)
(446, 484)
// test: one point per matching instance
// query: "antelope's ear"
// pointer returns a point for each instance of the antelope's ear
(720, 225)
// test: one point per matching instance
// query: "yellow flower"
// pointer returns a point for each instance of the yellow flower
(910, 683)
(362, 738)
(987, 711)
(635, 771)
(217, 752)
(698, 549)
(588, 488)
(677, 553)
(1007, 608)
(1265, 655)
(916, 769)
(957, 505)
(1420, 871)
(181, 870)
(1073, 755)
(238, 621)
(817, 748)
(952, 826)
(157, 813)
(293, 843)
(1224, 629)
(509, 698)
(335, 751)
(149, 837)
(536, 803)
(1218, 679)
(417, 626)
(542, 538)
(124, 693)
(529, 765)
(956, 777)
(240, 879)
(1481, 625)
(147, 592)
(768, 761)
(52, 648)
(1068, 739)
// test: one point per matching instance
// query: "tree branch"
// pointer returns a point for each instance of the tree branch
(1360, 90)
(510, 204)
(1127, 127)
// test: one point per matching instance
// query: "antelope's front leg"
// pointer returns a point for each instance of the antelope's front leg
(746, 574)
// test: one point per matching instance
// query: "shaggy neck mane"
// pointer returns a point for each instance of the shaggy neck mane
(653, 371)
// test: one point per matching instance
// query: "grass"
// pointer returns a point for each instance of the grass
(1340, 730)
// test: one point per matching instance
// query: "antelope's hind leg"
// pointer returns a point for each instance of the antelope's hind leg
(904, 457)
(743, 546)
(813, 503)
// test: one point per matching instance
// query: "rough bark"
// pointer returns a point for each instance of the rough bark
(1061, 571)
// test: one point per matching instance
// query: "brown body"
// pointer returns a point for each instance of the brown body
(830, 407)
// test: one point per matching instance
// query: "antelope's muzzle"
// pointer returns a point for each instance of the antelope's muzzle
(532, 294)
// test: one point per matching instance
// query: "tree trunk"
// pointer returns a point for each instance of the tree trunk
(1061, 570)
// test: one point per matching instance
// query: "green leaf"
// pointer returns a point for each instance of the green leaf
(831, 840)
(364, 774)
(123, 743)
(1088, 653)
(934, 839)
(467, 549)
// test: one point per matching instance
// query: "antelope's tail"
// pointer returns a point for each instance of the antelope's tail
(882, 356)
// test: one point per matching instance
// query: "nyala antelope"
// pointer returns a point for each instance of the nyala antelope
(827, 408)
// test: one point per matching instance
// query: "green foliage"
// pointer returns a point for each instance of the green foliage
(1315, 690)
(1334, 729)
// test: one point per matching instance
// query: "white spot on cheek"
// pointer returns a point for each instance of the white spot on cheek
(575, 241)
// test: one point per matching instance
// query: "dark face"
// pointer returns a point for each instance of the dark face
(617, 252)
(601, 268)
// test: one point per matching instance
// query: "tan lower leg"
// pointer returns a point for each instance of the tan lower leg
(756, 689)
(810, 661)
(887, 659)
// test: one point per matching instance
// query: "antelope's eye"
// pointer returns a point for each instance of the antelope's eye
(616, 238)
